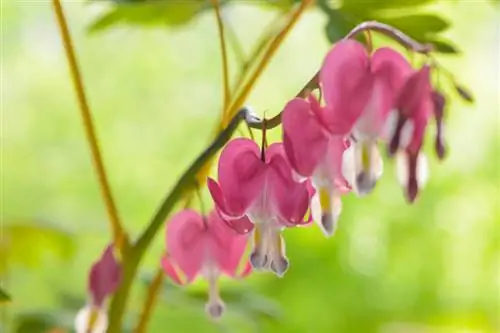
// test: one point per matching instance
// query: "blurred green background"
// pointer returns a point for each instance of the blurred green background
(155, 91)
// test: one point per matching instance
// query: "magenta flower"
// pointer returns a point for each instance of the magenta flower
(416, 104)
(198, 245)
(315, 152)
(259, 185)
(104, 278)
(360, 90)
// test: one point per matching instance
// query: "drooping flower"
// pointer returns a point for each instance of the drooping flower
(416, 104)
(360, 90)
(198, 245)
(259, 185)
(104, 278)
(315, 152)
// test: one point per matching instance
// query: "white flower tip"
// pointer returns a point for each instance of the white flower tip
(402, 169)
(279, 266)
(258, 260)
(365, 183)
(328, 224)
(422, 170)
(215, 308)
(83, 319)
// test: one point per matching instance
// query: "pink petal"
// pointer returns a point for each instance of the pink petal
(415, 102)
(346, 83)
(226, 246)
(391, 67)
(169, 269)
(186, 241)
(303, 136)
(420, 121)
(239, 224)
(290, 198)
(389, 70)
(247, 270)
(416, 89)
(336, 147)
(241, 175)
(104, 277)
(218, 198)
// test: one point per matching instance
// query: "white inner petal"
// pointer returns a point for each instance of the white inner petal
(389, 127)
(406, 134)
(82, 320)
(377, 162)
(422, 170)
(326, 217)
(367, 126)
(349, 165)
(316, 208)
(402, 169)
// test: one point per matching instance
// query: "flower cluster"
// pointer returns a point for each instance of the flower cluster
(330, 148)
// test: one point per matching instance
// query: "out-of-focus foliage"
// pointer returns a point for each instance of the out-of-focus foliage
(27, 242)
(4, 296)
(422, 26)
(35, 323)
(241, 300)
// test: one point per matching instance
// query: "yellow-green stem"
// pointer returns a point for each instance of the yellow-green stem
(225, 67)
(151, 298)
(116, 227)
(273, 47)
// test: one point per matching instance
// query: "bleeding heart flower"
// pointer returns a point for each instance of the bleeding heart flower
(416, 104)
(104, 278)
(259, 184)
(315, 152)
(198, 245)
(359, 91)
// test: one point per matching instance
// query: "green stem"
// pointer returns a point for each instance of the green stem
(137, 251)
(119, 236)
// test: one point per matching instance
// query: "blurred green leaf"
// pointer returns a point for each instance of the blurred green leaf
(4, 297)
(34, 322)
(242, 300)
(26, 243)
(337, 27)
(420, 27)
(464, 93)
(171, 13)
(443, 46)
(370, 6)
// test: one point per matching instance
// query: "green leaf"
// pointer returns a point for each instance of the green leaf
(34, 322)
(251, 303)
(27, 242)
(420, 27)
(464, 92)
(444, 46)
(337, 27)
(4, 296)
(146, 13)
(369, 7)
(241, 299)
